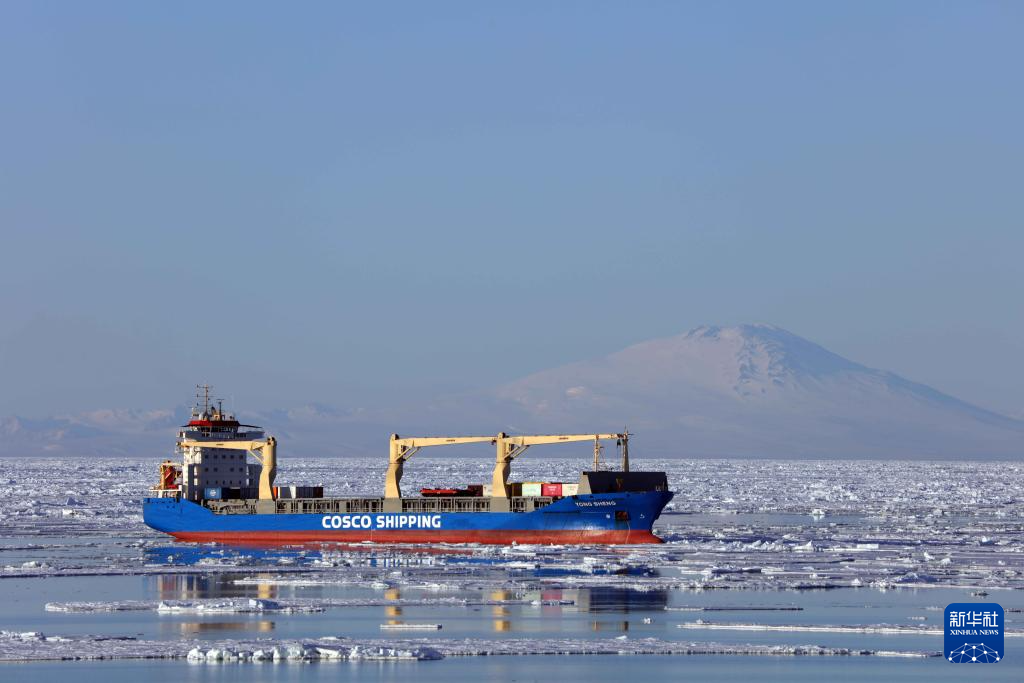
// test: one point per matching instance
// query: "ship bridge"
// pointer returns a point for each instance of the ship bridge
(221, 464)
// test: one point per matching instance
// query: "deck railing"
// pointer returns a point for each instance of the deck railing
(336, 506)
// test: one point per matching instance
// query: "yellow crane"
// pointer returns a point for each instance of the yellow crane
(511, 447)
(264, 450)
(403, 449)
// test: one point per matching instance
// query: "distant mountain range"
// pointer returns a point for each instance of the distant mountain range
(747, 391)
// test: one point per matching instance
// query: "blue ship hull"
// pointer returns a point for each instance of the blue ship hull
(603, 518)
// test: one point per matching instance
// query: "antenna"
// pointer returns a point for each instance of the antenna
(203, 392)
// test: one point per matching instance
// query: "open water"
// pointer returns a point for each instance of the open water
(849, 567)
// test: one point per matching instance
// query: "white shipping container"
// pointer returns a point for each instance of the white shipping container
(570, 489)
(488, 490)
(532, 489)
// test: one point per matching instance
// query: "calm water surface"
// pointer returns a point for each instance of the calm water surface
(596, 612)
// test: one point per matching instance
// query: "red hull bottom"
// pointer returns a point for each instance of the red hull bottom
(490, 537)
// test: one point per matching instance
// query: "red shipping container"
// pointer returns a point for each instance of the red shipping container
(552, 490)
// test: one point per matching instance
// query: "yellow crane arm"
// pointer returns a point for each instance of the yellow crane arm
(264, 450)
(511, 447)
(403, 449)
(539, 439)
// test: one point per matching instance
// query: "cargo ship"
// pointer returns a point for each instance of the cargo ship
(211, 492)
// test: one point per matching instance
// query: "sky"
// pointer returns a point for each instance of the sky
(365, 204)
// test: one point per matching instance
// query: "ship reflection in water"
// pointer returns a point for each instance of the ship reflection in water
(609, 626)
(615, 599)
(199, 586)
(558, 602)
(193, 628)
(516, 611)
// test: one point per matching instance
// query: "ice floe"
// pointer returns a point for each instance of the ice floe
(35, 646)
(888, 629)
(789, 525)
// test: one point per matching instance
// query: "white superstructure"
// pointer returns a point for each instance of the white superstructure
(209, 467)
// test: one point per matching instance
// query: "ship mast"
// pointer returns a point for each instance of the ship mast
(203, 393)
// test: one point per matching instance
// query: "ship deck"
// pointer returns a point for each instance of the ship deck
(299, 506)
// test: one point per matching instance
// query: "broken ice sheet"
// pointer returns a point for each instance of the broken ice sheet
(735, 524)
(36, 646)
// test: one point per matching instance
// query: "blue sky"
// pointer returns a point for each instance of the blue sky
(359, 205)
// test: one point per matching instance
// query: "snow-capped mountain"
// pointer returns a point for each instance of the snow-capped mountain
(749, 390)
(758, 390)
